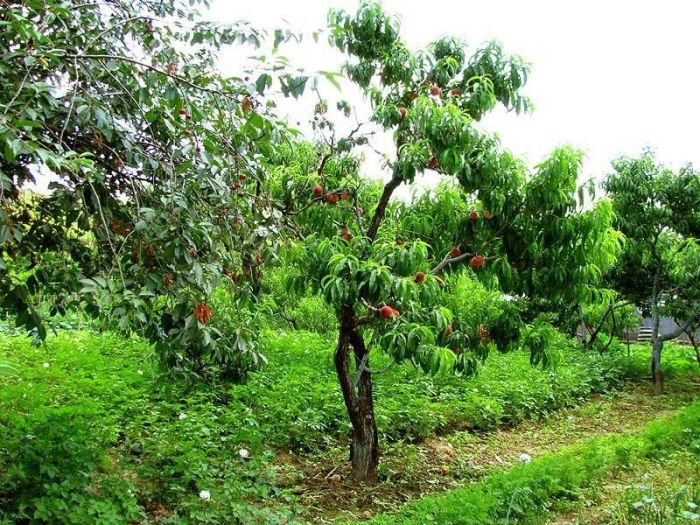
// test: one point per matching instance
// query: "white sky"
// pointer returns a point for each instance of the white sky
(609, 77)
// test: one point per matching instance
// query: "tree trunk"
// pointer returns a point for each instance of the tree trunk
(656, 339)
(364, 447)
(691, 338)
(594, 333)
(656, 365)
(364, 450)
(584, 328)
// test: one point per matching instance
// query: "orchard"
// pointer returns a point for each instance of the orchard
(202, 305)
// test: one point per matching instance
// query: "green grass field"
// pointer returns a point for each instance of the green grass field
(91, 432)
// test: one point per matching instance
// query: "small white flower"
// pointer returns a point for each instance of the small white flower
(46, 365)
(182, 416)
(244, 453)
(525, 458)
(139, 372)
(205, 495)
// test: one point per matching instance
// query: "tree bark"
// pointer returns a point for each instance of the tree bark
(691, 338)
(656, 340)
(584, 328)
(357, 387)
(594, 334)
(381, 207)
(656, 375)
(364, 447)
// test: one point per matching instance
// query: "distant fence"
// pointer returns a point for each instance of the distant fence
(644, 334)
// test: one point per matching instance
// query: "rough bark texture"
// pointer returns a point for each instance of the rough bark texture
(364, 447)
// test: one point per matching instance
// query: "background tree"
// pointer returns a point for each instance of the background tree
(659, 213)
(609, 318)
(387, 267)
(157, 165)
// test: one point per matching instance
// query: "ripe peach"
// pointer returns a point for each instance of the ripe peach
(386, 311)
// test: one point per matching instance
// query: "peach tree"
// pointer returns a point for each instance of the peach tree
(156, 163)
(658, 211)
(388, 266)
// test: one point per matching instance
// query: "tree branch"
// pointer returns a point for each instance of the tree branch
(448, 259)
(389, 188)
(678, 331)
(359, 219)
(152, 68)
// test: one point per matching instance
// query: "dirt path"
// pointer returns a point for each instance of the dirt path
(411, 471)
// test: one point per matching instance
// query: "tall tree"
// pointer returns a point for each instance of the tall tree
(386, 266)
(157, 164)
(658, 210)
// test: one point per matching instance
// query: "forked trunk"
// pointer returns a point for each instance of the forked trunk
(364, 447)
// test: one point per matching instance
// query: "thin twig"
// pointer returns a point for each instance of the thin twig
(152, 68)
(109, 237)
(72, 100)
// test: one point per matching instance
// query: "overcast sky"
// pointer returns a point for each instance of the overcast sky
(609, 77)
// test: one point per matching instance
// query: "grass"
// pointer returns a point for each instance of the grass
(660, 491)
(98, 435)
(441, 463)
(527, 493)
